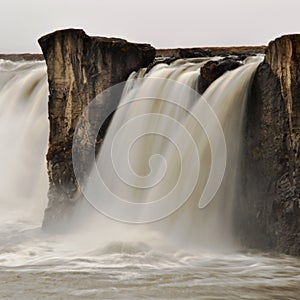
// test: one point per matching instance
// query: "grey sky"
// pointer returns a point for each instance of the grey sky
(163, 23)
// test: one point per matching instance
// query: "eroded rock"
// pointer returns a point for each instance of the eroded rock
(269, 209)
(79, 68)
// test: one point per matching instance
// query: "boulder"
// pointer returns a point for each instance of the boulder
(213, 70)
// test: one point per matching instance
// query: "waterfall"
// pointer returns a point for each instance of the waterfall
(157, 164)
(169, 162)
(170, 158)
(24, 137)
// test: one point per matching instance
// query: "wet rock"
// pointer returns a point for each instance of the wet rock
(161, 60)
(213, 70)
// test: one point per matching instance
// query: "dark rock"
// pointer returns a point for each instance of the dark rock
(190, 53)
(22, 56)
(79, 68)
(161, 60)
(268, 212)
(213, 70)
(210, 51)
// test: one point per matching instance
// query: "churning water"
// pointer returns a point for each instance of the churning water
(188, 254)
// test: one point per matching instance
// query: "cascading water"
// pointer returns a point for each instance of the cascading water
(147, 157)
(24, 137)
(181, 256)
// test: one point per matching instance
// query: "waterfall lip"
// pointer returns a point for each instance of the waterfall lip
(117, 208)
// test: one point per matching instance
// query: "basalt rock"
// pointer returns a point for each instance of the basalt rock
(268, 212)
(79, 68)
(213, 70)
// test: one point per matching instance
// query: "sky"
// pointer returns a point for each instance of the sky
(162, 23)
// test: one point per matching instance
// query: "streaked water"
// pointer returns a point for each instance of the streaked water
(98, 258)
(24, 138)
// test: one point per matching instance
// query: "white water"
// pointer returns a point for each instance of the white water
(23, 135)
(188, 255)
(155, 160)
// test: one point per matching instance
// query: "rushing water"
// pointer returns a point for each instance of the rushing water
(190, 254)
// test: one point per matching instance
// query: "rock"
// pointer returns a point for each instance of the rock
(268, 211)
(22, 56)
(79, 68)
(161, 60)
(238, 51)
(213, 70)
(210, 51)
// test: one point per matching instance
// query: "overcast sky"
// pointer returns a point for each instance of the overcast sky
(163, 23)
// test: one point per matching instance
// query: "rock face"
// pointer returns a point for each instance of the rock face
(79, 68)
(268, 212)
